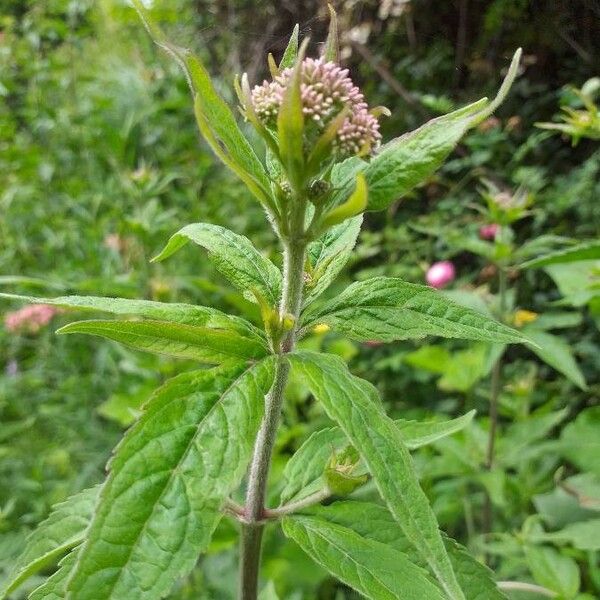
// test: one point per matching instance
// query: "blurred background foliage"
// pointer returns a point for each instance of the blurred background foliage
(100, 162)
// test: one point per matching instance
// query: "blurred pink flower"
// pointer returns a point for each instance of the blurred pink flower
(489, 231)
(29, 319)
(440, 274)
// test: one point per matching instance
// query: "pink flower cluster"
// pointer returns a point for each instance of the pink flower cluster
(325, 90)
(29, 319)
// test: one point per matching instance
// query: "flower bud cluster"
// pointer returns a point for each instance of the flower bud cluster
(325, 90)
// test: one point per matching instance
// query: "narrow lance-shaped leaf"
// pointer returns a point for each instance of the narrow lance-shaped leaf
(303, 472)
(290, 125)
(291, 52)
(409, 160)
(210, 346)
(373, 569)
(53, 538)
(331, 51)
(186, 314)
(348, 400)
(234, 256)
(387, 309)
(329, 254)
(353, 206)
(229, 142)
(168, 480)
(374, 522)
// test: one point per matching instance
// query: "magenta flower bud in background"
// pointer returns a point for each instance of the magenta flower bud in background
(440, 274)
(489, 231)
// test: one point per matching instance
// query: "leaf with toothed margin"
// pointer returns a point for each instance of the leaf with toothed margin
(348, 400)
(374, 522)
(375, 570)
(411, 159)
(234, 256)
(387, 309)
(186, 314)
(329, 254)
(209, 346)
(55, 587)
(62, 530)
(168, 480)
(303, 473)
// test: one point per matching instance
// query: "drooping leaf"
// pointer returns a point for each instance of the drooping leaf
(554, 351)
(168, 479)
(303, 472)
(553, 570)
(186, 314)
(374, 522)
(54, 537)
(234, 256)
(409, 160)
(329, 254)
(373, 569)
(386, 309)
(55, 587)
(348, 400)
(585, 251)
(224, 135)
(210, 346)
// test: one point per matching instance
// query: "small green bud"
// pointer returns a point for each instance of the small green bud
(338, 474)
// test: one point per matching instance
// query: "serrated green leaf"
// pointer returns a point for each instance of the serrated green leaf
(55, 587)
(374, 522)
(407, 161)
(234, 256)
(387, 309)
(168, 479)
(585, 251)
(303, 472)
(554, 351)
(373, 569)
(348, 400)
(224, 135)
(186, 314)
(329, 254)
(210, 346)
(291, 50)
(54, 537)
(553, 570)
(411, 159)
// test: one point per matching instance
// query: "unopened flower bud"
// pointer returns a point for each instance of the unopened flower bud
(440, 274)
(489, 231)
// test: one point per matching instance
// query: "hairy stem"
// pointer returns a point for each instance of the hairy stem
(496, 385)
(254, 512)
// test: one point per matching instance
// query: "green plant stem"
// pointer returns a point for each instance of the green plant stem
(254, 512)
(496, 385)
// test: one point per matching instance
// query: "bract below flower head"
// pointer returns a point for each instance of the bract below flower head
(326, 90)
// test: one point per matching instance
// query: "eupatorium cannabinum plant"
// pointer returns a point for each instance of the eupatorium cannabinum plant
(201, 450)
